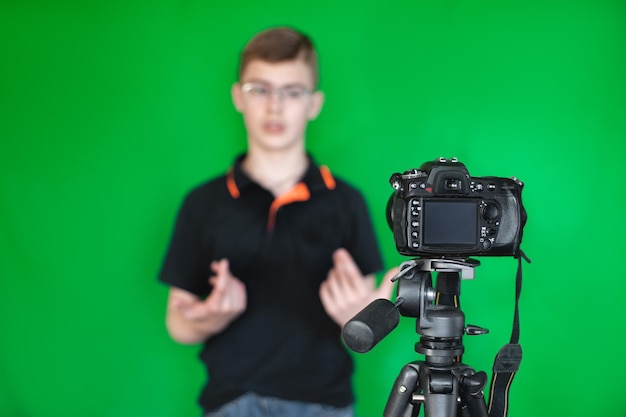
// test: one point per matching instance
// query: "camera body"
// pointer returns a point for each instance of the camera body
(439, 210)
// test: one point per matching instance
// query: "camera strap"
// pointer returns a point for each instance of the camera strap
(509, 357)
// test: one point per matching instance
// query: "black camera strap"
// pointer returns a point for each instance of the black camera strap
(509, 357)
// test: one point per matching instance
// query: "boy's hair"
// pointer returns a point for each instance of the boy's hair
(279, 45)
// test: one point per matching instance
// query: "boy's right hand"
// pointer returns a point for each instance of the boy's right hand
(192, 320)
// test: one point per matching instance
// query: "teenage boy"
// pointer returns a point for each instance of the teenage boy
(270, 260)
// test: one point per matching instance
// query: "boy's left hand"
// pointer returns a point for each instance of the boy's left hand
(345, 292)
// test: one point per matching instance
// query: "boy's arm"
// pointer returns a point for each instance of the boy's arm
(191, 320)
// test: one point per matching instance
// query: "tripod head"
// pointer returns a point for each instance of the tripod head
(439, 319)
(441, 381)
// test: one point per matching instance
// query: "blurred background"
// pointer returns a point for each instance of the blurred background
(111, 111)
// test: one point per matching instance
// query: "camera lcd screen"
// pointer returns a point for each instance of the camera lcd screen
(450, 223)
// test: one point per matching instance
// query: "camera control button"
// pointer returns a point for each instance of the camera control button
(491, 212)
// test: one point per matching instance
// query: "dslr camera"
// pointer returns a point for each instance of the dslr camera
(440, 211)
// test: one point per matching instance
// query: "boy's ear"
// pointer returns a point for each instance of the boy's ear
(237, 96)
(315, 105)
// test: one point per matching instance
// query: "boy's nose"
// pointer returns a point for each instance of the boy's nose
(275, 101)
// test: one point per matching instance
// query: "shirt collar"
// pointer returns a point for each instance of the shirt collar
(315, 178)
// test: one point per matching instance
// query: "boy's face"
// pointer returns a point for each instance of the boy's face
(277, 101)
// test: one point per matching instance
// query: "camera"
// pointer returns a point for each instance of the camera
(439, 210)
(441, 215)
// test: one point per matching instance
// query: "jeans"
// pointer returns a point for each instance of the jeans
(253, 405)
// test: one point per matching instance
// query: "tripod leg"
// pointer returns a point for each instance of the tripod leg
(400, 402)
(440, 394)
(472, 397)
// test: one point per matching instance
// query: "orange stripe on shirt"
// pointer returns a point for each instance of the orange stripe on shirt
(300, 192)
(232, 185)
(328, 178)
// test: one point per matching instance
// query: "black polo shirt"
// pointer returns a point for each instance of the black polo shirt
(284, 344)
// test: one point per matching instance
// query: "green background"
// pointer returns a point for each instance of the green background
(111, 111)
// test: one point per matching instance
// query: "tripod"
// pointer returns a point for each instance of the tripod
(445, 386)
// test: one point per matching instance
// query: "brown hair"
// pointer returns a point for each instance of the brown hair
(279, 45)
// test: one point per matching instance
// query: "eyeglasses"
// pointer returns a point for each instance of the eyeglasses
(261, 92)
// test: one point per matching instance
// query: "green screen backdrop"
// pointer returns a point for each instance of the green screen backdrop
(111, 111)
